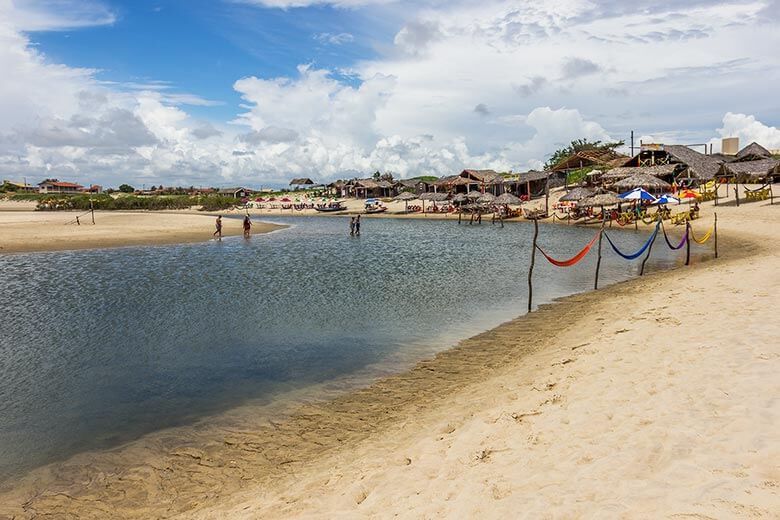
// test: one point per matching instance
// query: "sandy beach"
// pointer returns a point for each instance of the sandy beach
(652, 398)
(23, 230)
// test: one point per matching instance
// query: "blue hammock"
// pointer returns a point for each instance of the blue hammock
(638, 253)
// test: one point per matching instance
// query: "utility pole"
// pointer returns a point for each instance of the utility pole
(632, 143)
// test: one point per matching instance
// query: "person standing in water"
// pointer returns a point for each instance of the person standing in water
(357, 225)
(218, 232)
(352, 226)
(247, 226)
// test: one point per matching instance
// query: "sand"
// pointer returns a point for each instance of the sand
(654, 398)
(26, 231)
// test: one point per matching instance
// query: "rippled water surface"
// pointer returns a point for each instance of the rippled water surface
(98, 347)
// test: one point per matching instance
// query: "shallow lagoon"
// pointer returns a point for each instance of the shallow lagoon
(99, 347)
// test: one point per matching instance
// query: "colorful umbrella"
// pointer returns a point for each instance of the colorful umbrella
(637, 194)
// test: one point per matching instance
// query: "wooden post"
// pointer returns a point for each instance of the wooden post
(716, 235)
(598, 261)
(688, 243)
(717, 185)
(78, 223)
(531, 269)
(650, 248)
(736, 192)
(92, 210)
(547, 196)
(460, 214)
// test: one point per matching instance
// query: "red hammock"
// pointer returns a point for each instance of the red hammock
(573, 260)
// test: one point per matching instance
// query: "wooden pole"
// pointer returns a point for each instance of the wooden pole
(736, 192)
(547, 196)
(92, 210)
(647, 256)
(598, 261)
(717, 185)
(531, 269)
(688, 243)
(716, 235)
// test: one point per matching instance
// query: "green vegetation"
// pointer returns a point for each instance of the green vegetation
(126, 188)
(580, 145)
(132, 202)
(576, 176)
(424, 178)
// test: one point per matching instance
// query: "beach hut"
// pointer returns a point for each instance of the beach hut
(600, 199)
(663, 171)
(507, 199)
(603, 159)
(753, 152)
(749, 171)
(406, 197)
(577, 194)
(688, 163)
(641, 180)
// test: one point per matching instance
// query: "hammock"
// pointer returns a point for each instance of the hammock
(756, 190)
(573, 260)
(678, 246)
(641, 250)
(704, 238)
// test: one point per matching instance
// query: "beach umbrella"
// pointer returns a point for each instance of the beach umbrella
(474, 195)
(460, 197)
(576, 195)
(405, 196)
(486, 198)
(637, 194)
(507, 198)
(642, 180)
(601, 199)
(666, 199)
(688, 195)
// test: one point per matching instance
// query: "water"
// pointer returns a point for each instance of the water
(99, 347)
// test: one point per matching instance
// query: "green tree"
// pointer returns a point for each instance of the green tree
(126, 188)
(580, 145)
(377, 175)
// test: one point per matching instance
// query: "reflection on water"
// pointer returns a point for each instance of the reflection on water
(98, 347)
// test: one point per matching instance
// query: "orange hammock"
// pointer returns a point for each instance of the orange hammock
(573, 260)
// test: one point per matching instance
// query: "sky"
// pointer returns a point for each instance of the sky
(256, 92)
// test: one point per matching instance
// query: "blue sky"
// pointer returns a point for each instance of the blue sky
(201, 47)
(256, 92)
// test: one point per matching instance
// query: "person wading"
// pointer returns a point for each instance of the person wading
(247, 226)
(357, 225)
(352, 226)
(218, 232)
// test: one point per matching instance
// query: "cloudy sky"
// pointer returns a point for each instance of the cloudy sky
(254, 92)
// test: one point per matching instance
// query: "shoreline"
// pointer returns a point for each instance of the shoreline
(285, 468)
(35, 231)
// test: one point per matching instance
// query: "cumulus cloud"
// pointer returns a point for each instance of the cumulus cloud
(482, 109)
(577, 67)
(749, 130)
(415, 36)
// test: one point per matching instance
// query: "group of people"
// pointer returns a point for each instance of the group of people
(247, 227)
(354, 226)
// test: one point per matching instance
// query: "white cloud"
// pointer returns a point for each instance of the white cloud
(491, 84)
(749, 130)
(334, 39)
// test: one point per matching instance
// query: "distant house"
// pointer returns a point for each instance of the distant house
(236, 193)
(367, 188)
(57, 186)
(753, 152)
(20, 187)
(479, 180)
(299, 182)
(417, 186)
(688, 163)
(95, 188)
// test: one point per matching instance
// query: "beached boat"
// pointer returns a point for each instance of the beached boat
(374, 206)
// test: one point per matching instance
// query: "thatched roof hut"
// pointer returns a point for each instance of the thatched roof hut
(507, 198)
(623, 172)
(405, 196)
(601, 199)
(577, 194)
(750, 170)
(591, 158)
(301, 181)
(753, 152)
(642, 180)
(434, 197)
(689, 162)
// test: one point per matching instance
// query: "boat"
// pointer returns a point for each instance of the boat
(374, 206)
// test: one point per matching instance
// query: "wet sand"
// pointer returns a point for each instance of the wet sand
(26, 231)
(652, 398)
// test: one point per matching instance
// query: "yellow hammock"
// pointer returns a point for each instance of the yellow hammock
(705, 237)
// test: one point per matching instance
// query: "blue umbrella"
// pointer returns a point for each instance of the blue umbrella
(637, 194)
(667, 199)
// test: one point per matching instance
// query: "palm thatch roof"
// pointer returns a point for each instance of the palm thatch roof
(460, 197)
(753, 152)
(405, 196)
(699, 165)
(300, 181)
(642, 180)
(532, 176)
(434, 197)
(597, 158)
(577, 194)
(473, 195)
(507, 198)
(623, 172)
(602, 199)
(483, 176)
(750, 169)
(486, 198)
